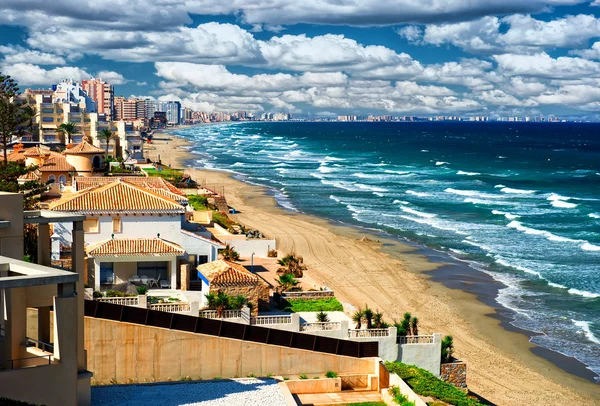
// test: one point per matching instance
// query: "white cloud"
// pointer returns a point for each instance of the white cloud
(29, 74)
(543, 65)
(13, 55)
(111, 77)
(592, 53)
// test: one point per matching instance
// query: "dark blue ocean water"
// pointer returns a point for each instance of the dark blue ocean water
(520, 201)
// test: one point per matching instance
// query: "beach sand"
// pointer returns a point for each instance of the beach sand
(392, 277)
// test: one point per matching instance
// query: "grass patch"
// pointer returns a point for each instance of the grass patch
(326, 304)
(222, 220)
(424, 383)
(198, 202)
(165, 172)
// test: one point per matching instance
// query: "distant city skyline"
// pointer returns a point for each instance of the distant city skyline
(319, 59)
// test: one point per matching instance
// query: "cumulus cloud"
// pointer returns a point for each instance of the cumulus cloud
(29, 74)
(544, 66)
(13, 55)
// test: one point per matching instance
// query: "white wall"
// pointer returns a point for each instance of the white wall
(426, 356)
(246, 247)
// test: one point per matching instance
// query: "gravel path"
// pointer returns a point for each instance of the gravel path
(242, 392)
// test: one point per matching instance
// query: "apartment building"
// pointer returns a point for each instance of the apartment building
(103, 95)
(129, 109)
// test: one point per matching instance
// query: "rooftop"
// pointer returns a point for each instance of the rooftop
(222, 272)
(84, 147)
(134, 247)
(56, 163)
(82, 183)
(117, 197)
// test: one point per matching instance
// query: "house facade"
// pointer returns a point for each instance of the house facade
(132, 231)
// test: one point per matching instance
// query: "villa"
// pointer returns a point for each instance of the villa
(133, 233)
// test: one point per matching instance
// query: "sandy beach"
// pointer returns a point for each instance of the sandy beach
(392, 277)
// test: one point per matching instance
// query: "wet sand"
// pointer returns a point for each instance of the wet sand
(395, 277)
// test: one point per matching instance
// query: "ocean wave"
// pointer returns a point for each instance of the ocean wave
(590, 247)
(440, 163)
(280, 165)
(417, 213)
(499, 186)
(419, 194)
(332, 158)
(378, 194)
(337, 199)
(594, 215)
(239, 164)
(505, 214)
(397, 172)
(485, 202)
(517, 191)
(354, 209)
(472, 193)
(400, 202)
(468, 173)
(504, 262)
(585, 327)
(560, 201)
(426, 150)
(533, 231)
(476, 244)
(366, 175)
(326, 169)
(371, 188)
(583, 293)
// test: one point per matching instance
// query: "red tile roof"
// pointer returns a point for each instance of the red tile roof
(134, 247)
(225, 273)
(56, 163)
(84, 147)
(154, 182)
(117, 197)
(36, 151)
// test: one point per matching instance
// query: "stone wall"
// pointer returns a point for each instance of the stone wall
(257, 294)
(455, 373)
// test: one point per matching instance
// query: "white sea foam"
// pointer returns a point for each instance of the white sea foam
(397, 172)
(332, 158)
(499, 186)
(435, 223)
(560, 201)
(325, 169)
(471, 193)
(238, 164)
(354, 209)
(426, 150)
(400, 202)
(337, 199)
(590, 247)
(440, 163)
(594, 215)
(481, 201)
(417, 213)
(419, 194)
(504, 262)
(505, 214)
(583, 293)
(366, 175)
(476, 244)
(585, 326)
(517, 191)
(468, 173)
(378, 194)
(280, 165)
(557, 285)
(532, 231)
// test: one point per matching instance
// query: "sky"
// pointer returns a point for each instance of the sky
(318, 58)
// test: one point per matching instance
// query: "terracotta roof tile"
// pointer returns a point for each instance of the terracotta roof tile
(142, 181)
(223, 272)
(34, 175)
(134, 247)
(56, 163)
(35, 151)
(117, 197)
(84, 147)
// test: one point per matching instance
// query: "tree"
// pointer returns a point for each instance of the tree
(357, 317)
(229, 254)
(68, 129)
(237, 302)
(106, 135)
(322, 317)
(414, 326)
(403, 327)
(368, 316)
(218, 302)
(378, 320)
(292, 264)
(447, 349)
(13, 113)
(286, 282)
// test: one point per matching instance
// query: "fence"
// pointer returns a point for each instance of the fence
(415, 339)
(308, 294)
(328, 326)
(238, 331)
(374, 332)
(226, 314)
(170, 307)
(266, 320)
(123, 301)
(39, 344)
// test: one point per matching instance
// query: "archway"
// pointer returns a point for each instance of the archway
(96, 162)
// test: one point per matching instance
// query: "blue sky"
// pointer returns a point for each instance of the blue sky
(318, 57)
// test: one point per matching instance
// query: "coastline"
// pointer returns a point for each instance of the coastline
(503, 365)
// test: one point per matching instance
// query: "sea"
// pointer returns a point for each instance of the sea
(518, 201)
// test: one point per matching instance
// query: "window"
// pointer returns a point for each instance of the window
(154, 270)
(116, 224)
(47, 119)
(62, 179)
(91, 226)
(52, 178)
(106, 272)
(48, 111)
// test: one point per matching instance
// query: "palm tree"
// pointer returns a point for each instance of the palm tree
(414, 326)
(292, 264)
(229, 254)
(106, 135)
(378, 320)
(403, 327)
(368, 316)
(237, 302)
(68, 129)
(322, 317)
(221, 303)
(210, 300)
(357, 317)
(447, 349)
(286, 282)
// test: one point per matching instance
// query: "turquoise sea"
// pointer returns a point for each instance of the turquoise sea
(519, 201)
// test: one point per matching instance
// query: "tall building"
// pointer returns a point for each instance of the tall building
(150, 107)
(129, 109)
(69, 91)
(103, 94)
(172, 108)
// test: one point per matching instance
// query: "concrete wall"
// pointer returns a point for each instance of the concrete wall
(246, 247)
(123, 351)
(11, 238)
(321, 385)
(388, 348)
(125, 270)
(426, 356)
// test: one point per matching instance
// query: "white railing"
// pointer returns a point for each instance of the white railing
(309, 294)
(170, 307)
(123, 301)
(373, 332)
(226, 314)
(319, 326)
(264, 320)
(415, 339)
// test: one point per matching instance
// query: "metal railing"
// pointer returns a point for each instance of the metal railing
(374, 332)
(170, 307)
(15, 363)
(266, 320)
(226, 314)
(415, 339)
(319, 326)
(123, 301)
(308, 294)
(31, 342)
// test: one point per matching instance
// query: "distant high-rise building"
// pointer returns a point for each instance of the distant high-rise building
(129, 109)
(150, 107)
(172, 108)
(103, 95)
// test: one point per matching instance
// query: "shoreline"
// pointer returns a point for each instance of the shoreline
(503, 365)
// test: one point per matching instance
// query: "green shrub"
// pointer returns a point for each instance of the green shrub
(222, 220)
(114, 293)
(141, 290)
(399, 398)
(198, 202)
(97, 294)
(326, 304)
(331, 374)
(251, 375)
(303, 376)
(424, 383)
